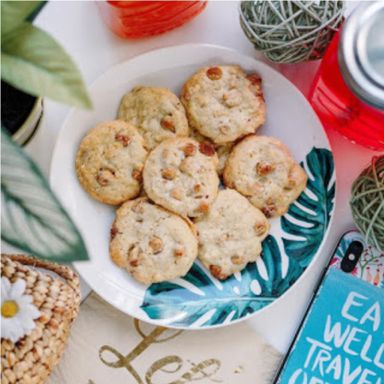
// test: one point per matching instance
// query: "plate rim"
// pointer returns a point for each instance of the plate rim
(164, 50)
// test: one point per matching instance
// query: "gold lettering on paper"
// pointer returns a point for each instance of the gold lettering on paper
(169, 364)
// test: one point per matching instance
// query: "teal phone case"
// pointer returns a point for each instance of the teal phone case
(342, 337)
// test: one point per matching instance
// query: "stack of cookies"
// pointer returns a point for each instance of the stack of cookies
(192, 178)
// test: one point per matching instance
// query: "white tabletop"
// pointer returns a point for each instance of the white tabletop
(78, 27)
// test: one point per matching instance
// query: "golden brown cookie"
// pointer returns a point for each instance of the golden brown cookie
(262, 169)
(222, 151)
(223, 103)
(230, 235)
(152, 243)
(156, 112)
(180, 175)
(110, 161)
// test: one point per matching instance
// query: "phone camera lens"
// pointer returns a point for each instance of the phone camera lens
(352, 256)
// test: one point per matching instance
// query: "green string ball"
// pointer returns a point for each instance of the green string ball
(291, 31)
(367, 202)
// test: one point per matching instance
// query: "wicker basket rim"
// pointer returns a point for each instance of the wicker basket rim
(63, 271)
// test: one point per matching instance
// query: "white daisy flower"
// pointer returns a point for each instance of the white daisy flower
(17, 310)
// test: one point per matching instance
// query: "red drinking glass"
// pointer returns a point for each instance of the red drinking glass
(346, 95)
(136, 19)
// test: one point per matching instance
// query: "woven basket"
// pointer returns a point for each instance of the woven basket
(32, 358)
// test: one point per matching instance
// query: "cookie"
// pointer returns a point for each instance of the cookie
(110, 161)
(222, 151)
(223, 103)
(262, 169)
(180, 175)
(156, 112)
(230, 235)
(151, 243)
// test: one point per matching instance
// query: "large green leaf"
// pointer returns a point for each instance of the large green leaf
(197, 298)
(32, 16)
(308, 218)
(35, 63)
(13, 13)
(31, 217)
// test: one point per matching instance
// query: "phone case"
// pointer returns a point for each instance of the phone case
(370, 266)
(341, 339)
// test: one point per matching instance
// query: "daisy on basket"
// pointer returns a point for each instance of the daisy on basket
(17, 311)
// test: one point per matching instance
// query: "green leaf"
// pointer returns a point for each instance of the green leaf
(36, 11)
(196, 298)
(308, 218)
(31, 217)
(13, 13)
(35, 63)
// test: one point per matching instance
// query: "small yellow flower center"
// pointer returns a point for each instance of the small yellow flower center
(9, 308)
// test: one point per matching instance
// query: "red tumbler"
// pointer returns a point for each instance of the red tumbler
(348, 90)
(136, 19)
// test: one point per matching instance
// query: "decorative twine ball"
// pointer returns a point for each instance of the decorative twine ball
(367, 202)
(291, 31)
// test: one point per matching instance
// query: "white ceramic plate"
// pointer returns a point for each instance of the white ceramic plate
(198, 300)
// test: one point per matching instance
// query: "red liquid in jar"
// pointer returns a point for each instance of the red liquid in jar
(135, 19)
(339, 108)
